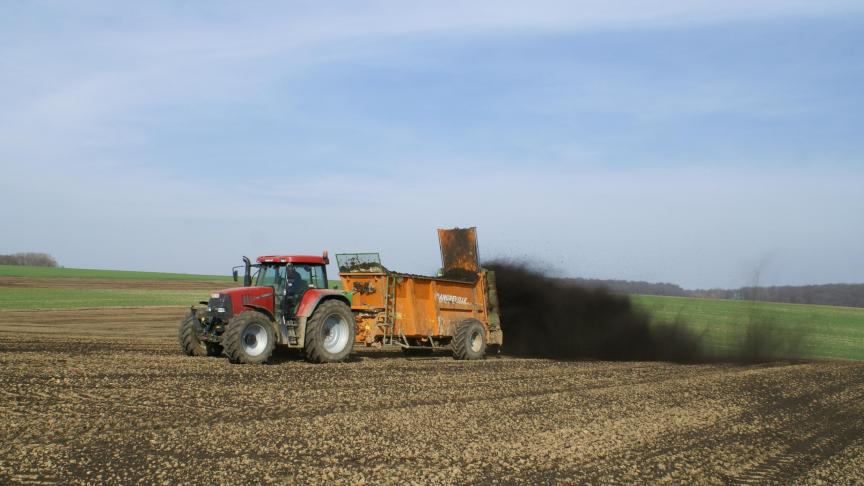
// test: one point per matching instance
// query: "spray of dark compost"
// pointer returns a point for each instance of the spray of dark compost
(545, 317)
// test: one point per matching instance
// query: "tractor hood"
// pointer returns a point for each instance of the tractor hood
(228, 302)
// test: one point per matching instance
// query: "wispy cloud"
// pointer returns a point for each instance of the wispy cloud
(156, 126)
(82, 72)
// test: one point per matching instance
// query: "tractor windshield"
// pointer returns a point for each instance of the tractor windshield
(271, 275)
(300, 277)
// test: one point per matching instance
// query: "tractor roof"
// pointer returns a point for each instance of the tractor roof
(309, 259)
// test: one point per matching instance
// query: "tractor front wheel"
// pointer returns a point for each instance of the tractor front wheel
(249, 338)
(189, 342)
(330, 333)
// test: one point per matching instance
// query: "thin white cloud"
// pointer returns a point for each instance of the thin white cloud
(75, 97)
(94, 70)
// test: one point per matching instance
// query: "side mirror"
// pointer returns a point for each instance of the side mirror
(234, 273)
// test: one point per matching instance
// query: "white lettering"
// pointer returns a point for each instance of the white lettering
(451, 299)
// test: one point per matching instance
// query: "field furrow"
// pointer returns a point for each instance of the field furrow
(97, 409)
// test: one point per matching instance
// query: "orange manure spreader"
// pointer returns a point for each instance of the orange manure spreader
(458, 309)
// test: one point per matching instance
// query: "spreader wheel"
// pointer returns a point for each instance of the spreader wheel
(469, 342)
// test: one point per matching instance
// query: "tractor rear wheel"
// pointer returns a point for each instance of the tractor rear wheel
(469, 342)
(187, 335)
(330, 333)
(249, 338)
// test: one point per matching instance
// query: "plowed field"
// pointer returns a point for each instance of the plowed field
(116, 402)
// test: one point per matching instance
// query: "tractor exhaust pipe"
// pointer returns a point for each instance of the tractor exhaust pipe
(247, 273)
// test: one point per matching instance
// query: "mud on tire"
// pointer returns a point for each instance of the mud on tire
(469, 341)
(330, 333)
(188, 338)
(249, 338)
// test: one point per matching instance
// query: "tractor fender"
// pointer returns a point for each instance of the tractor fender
(311, 300)
(266, 312)
(260, 309)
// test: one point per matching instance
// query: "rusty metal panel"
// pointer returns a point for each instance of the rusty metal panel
(424, 305)
(459, 254)
(423, 308)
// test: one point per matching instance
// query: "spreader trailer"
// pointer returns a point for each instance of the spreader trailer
(285, 300)
(457, 309)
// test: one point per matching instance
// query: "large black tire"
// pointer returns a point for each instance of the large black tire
(469, 342)
(249, 338)
(189, 342)
(330, 333)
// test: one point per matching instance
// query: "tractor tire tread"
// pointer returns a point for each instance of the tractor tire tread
(460, 342)
(232, 338)
(187, 338)
(313, 349)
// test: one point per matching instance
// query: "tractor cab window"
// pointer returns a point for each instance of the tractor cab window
(313, 275)
(297, 279)
(271, 275)
(318, 277)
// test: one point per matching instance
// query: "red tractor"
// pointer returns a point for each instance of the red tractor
(286, 301)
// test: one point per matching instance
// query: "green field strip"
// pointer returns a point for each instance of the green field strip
(48, 272)
(38, 298)
(819, 331)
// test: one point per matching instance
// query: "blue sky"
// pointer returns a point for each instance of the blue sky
(689, 142)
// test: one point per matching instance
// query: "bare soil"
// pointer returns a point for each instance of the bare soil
(104, 396)
(153, 323)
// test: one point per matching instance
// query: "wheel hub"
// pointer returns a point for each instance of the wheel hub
(476, 341)
(336, 334)
(254, 339)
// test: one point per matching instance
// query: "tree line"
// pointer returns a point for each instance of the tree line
(631, 286)
(29, 259)
(849, 295)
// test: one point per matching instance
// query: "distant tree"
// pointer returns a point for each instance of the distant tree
(629, 286)
(849, 295)
(29, 259)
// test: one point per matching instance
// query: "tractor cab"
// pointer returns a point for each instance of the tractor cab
(290, 277)
(287, 277)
